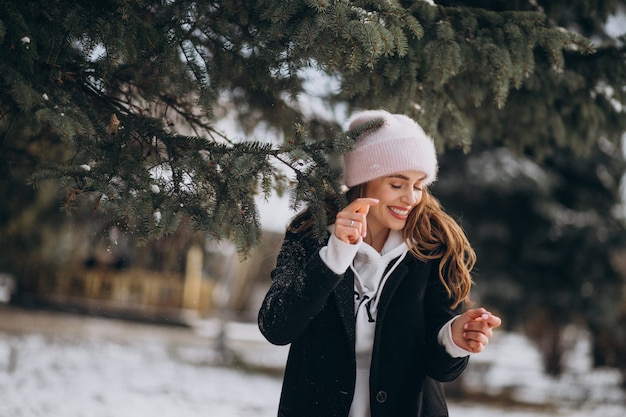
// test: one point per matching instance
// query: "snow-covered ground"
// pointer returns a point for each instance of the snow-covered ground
(60, 365)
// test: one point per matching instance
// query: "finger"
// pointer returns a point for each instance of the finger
(482, 315)
(494, 321)
(351, 224)
(475, 346)
(476, 329)
(360, 224)
(361, 205)
(363, 210)
(472, 345)
(489, 319)
(476, 314)
(476, 338)
(350, 219)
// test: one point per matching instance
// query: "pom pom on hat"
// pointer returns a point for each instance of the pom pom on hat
(399, 144)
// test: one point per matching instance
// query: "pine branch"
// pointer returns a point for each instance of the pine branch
(177, 66)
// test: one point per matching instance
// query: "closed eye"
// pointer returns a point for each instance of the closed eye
(399, 186)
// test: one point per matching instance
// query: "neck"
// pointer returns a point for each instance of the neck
(377, 239)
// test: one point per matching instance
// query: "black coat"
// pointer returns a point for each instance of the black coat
(312, 308)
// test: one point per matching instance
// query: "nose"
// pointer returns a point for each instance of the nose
(410, 198)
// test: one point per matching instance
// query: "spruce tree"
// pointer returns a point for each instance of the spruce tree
(541, 195)
(118, 101)
(134, 89)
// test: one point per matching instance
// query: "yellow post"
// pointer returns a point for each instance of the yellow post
(193, 279)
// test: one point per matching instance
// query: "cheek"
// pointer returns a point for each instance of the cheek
(377, 214)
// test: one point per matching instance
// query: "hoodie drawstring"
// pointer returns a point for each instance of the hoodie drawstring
(373, 309)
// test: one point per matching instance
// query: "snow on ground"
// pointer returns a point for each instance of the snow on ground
(59, 365)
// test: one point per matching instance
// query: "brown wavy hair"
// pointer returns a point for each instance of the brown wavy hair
(431, 234)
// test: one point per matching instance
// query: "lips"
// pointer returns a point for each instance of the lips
(399, 213)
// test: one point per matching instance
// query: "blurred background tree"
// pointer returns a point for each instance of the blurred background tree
(111, 109)
(541, 194)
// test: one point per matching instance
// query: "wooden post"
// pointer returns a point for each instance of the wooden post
(193, 279)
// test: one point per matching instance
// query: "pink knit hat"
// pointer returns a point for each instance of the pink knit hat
(399, 144)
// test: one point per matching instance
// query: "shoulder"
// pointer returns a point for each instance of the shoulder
(303, 234)
(305, 226)
(425, 266)
(301, 223)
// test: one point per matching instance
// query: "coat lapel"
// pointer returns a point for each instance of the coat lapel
(390, 288)
(344, 296)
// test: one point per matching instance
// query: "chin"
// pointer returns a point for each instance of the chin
(397, 225)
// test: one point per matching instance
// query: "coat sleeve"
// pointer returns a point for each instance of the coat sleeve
(439, 364)
(301, 285)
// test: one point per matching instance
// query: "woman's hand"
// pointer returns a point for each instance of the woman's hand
(351, 223)
(473, 329)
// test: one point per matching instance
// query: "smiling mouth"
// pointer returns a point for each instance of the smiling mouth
(399, 213)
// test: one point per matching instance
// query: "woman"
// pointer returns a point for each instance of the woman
(374, 314)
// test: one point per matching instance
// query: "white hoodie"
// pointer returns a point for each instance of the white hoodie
(369, 268)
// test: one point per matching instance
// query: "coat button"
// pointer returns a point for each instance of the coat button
(381, 396)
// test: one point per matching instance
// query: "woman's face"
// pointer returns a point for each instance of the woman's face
(397, 194)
